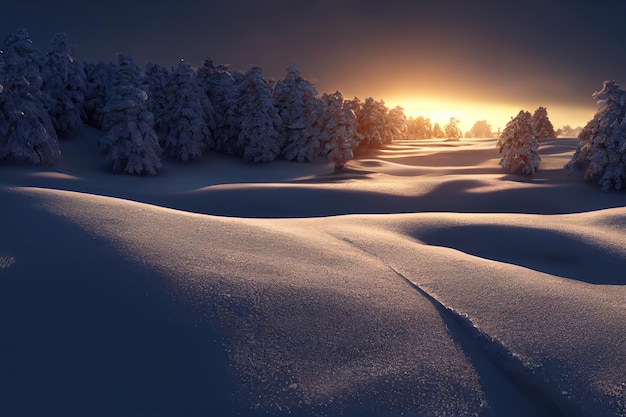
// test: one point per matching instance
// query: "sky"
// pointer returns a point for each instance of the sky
(478, 60)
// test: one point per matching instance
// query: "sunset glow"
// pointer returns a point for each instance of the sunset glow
(497, 115)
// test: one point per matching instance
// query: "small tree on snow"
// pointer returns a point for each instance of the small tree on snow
(130, 142)
(542, 125)
(601, 147)
(519, 146)
(453, 132)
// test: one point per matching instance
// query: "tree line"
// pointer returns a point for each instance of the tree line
(179, 113)
(422, 128)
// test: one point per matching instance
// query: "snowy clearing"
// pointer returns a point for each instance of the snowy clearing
(422, 280)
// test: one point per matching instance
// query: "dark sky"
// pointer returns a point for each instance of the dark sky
(471, 59)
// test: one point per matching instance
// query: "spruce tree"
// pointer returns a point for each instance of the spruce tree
(258, 136)
(63, 88)
(26, 130)
(453, 132)
(371, 124)
(438, 132)
(601, 150)
(188, 133)
(419, 128)
(155, 84)
(97, 76)
(339, 130)
(519, 146)
(299, 108)
(396, 121)
(218, 84)
(130, 142)
(542, 125)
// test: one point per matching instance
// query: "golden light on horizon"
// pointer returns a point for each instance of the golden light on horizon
(497, 115)
(466, 113)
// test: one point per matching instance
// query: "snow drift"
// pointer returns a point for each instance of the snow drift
(423, 281)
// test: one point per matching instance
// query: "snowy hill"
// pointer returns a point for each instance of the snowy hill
(423, 281)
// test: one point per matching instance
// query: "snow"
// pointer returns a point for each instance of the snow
(421, 281)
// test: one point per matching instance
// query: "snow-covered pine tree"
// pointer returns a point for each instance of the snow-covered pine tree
(97, 76)
(63, 88)
(218, 83)
(601, 147)
(519, 146)
(155, 83)
(371, 124)
(299, 108)
(23, 59)
(453, 132)
(481, 129)
(339, 130)
(259, 137)
(438, 131)
(420, 128)
(396, 121)
(26, 130)
(130, 142)
(188, 134)
(543, 126)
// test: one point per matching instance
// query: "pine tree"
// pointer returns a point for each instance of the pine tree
(188, 134)
(63, 88)
(130, 142)
(258, 137)
(438, 132)
(97, 77)
(23, 59)
(542, 125)
(155, 84)
(601, 147)
(453, 132)
(481, 129)
(519, 146)
(396, 121)
(26, 130)
(371, 124)
(299, 108)
(218, 83)
(420, 128)
(339, 130)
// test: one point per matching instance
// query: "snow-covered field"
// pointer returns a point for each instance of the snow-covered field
(421, 281)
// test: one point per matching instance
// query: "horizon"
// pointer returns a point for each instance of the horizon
(493, 57)
(435, 109)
